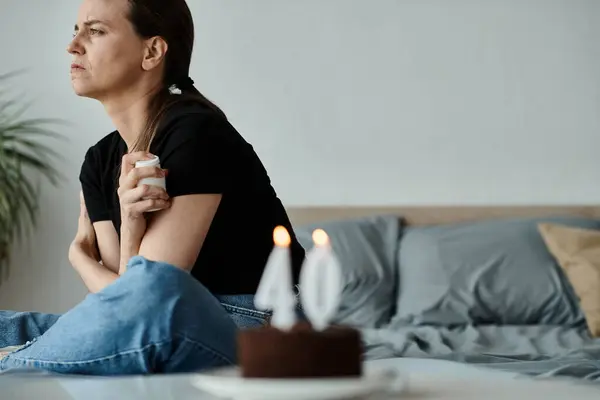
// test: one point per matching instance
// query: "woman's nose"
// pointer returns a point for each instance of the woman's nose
(75, 47)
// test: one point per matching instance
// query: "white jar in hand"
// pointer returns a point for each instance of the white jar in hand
(154, 181)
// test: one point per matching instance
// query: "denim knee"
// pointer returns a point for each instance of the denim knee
(161, 292)
(154, 318)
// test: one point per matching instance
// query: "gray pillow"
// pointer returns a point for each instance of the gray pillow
(492, 272)
(366, 248)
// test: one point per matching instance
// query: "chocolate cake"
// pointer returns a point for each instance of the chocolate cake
(301, 352)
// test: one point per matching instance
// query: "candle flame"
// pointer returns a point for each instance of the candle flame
(281, 237)
(320, 237)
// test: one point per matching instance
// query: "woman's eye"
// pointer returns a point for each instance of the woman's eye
(95, 31)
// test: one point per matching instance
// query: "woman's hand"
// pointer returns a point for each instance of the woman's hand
(85, 238)
(135, 201)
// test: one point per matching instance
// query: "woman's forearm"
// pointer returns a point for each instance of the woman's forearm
(94, 275)
(130, 246)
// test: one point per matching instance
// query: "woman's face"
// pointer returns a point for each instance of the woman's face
(107, 52)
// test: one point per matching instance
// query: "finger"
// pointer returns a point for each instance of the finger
(137, 174)
(144, 192)
(149, 205)
(128, 161)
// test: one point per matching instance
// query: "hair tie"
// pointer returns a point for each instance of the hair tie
(181, 84)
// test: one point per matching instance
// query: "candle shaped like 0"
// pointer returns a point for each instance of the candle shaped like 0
(320, 282)
(275, 291)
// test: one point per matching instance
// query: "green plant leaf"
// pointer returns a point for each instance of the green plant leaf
(25, 154)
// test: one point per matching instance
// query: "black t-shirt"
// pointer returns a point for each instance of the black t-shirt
(204, 154)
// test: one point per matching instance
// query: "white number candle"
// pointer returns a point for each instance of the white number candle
(320, 282)
(275, 291)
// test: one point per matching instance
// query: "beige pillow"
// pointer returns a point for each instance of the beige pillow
(577, 251)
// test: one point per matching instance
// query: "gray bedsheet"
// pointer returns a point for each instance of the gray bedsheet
(542, 351)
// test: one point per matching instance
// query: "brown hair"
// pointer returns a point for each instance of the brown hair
(171, 20)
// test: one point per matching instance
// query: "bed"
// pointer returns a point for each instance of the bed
(464, 300)
(491, 286)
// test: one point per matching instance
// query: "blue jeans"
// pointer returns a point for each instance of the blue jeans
(155, 318)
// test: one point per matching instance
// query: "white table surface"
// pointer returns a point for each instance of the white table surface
(429, 379)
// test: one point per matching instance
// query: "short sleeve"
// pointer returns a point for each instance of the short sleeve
(91, 185)
(196, 154)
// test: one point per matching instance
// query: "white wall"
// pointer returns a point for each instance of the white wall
(350, 102)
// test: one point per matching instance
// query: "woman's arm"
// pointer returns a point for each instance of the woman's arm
(135, 201)
(94, 208)
(176, 235)
(130, 246)
(108, 244)
(95, 276)
(84, 256)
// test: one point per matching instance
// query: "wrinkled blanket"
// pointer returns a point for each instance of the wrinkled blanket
(544, 351)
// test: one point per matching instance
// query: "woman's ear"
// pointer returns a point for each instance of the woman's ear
(155, 50)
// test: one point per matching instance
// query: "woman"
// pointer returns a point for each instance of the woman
(169, 287)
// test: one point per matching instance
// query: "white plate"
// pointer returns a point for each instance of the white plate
(227, 383)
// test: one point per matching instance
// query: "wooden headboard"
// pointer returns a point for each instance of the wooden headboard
(431, 215)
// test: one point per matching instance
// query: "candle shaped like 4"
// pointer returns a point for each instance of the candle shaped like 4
(320, 282)
(275, 290)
